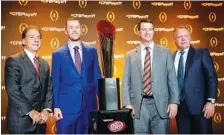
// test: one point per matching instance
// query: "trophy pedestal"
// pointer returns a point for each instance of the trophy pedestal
(109, 94)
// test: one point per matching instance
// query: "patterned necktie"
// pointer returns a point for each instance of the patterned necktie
(36, 65)
(77, 59)
(180, 75)
(147, 85)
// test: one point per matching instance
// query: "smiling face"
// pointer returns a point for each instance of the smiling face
(32, 40)
(73, 30)
(182, 38)
(146, 32)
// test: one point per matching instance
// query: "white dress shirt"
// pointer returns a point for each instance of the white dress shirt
(71, 46)
(143, 53)
(30, 55)
(177, 58)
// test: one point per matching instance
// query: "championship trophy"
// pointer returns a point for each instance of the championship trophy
(109, 90)
(109, 119)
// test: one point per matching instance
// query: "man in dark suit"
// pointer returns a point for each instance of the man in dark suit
(197, 81)
(28, 86)
(75, 72)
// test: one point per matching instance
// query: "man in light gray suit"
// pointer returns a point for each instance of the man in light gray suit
(150, 86)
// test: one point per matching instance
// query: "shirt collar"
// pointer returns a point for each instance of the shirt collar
(71, 45)
(29, 54)
(151, 46)
(185, 50)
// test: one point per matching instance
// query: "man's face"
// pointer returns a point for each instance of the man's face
(73, 30)
(146, 32)
(32, 41)
(182, 38)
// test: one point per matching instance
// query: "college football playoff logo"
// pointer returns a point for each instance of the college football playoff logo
(82, 3)
(54, 15)
(55, 43)
(212, 17)
(136, 4)
(162, 16)
(217, 118)
(189, 27)
(164, 42)
(110, 16)
(22, 27)
(187, 4)
(213, 42)
(23, 2)
(84, 29)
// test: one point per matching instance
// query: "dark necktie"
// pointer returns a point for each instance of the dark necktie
(77, 59)
(36, 65)
(147, 85)
(180, 75)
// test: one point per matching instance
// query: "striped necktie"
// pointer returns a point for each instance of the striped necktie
(147, 83)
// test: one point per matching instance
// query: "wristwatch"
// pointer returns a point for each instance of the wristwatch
(211, 101)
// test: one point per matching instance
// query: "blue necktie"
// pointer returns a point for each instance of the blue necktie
(180, 75)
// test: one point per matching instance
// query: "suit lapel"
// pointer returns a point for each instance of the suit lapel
(156, 55)
(69, 58)
(189, 61)
(139, 60)
(84, 58)
(41, 67)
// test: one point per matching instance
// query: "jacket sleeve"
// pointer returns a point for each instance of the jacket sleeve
(13, 88)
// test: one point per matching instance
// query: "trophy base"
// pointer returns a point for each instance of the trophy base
(109, 94)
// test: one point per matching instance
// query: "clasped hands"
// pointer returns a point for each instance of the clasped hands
(39, 117)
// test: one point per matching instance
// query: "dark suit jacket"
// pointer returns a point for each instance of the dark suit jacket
(200, 79)
(26, 91)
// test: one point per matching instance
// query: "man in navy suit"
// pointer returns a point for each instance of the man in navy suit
(197, 80)
(75, 72)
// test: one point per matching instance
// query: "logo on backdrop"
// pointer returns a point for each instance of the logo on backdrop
(213, 42)
(135, 29)
(82, 3)
(212, 17)
(189, 27)
(218, 92)
(53, 129)
(23, 2)
(217, 118)
(163, 42)
(54, 15)
(162, 16)
(136, 4)
(187, 4)
(84, 29)
(22, 27)
(110, 16)
(216, 65)
(55, 43)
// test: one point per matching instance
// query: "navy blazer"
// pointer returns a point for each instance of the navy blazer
(71, 88)
(200, 79)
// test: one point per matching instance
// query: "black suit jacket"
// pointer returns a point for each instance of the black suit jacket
(200, 79)
(26, 91)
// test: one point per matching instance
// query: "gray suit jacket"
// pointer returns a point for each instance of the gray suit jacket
(26, 91)
(164, 80)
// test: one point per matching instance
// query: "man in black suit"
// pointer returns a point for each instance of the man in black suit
(197, 81)
(28, 86)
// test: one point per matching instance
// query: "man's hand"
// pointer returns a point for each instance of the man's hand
(133, 110)
(57, 114)
(44, 116)
(209, 110)
(172, 110)
(35, 116)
